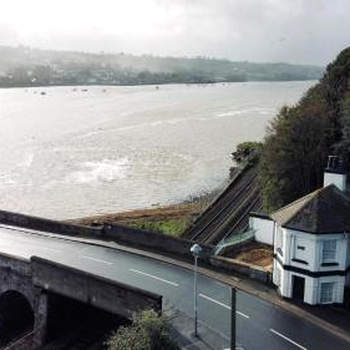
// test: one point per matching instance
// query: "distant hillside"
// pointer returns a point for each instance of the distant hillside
(23, 66)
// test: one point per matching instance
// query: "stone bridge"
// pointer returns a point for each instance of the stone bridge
(33, 291)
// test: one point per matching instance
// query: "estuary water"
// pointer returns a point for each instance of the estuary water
(69, 152)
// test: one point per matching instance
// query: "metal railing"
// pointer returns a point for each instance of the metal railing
(233, 240)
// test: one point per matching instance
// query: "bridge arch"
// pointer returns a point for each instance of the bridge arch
(16, 316)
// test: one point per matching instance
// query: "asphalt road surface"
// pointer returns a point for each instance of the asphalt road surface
(260, 325)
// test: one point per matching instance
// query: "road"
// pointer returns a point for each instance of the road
(260, 325)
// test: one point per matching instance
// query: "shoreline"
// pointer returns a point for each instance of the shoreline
(168, 219)
(150, 84)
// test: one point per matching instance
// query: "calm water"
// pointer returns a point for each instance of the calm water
(72, 153)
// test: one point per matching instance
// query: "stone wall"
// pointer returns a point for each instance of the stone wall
(235, 266)
(98, 291)
(15, 274)
(153, 241)
(35, 277)
(41, 224)
(181, 248)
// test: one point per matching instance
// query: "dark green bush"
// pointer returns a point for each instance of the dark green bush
(148, 331)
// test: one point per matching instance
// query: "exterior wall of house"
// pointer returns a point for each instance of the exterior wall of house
(347, 264)
(312, 291)
(337, 179)
(280, 244)
(263, 228)
(305, 250)
(301, 254)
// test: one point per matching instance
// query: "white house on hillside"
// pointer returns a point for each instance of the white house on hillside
(311, 241)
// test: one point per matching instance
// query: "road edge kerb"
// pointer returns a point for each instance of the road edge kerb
(233, 281)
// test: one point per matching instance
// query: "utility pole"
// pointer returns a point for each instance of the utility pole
(233, 318)
(195, 298)
(195, 250)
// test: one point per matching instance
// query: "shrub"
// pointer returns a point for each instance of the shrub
(148, 331)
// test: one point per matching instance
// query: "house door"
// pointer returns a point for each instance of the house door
(298, 288)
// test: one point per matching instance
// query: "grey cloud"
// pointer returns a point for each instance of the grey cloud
(298, 31)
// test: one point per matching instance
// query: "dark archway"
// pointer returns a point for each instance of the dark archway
(74, 324)
(16, 316)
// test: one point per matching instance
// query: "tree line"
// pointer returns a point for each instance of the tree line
(299, 139)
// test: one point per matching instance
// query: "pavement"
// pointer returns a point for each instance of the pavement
(263, 319)
(182, 332)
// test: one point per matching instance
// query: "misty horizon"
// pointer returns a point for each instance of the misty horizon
(308, 32)
(149, 54)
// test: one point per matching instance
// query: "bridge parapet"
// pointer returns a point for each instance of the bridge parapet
(34, 282)
(98, 291)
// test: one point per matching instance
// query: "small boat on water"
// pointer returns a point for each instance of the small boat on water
(42, 93)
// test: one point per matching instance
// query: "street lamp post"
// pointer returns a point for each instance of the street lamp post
(195, 250)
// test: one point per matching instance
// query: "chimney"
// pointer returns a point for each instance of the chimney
(335, 173)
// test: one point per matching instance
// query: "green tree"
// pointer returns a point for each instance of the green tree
(301, 137)
(148, 331)
(294, 154)
(246, 151)
(343, 146)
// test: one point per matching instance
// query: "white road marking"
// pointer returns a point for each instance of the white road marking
(242, 314)
(155, 277)
(97, 260)
(288, 339)
(51, 249)
(222, 304)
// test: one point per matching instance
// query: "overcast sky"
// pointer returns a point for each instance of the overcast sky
(296, 31)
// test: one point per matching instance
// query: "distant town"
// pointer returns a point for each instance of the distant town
(25, 67)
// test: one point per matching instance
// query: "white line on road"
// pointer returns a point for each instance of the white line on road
(288, 339)
(222, 304)
(97, 260)
(155, 277)
(51, 249)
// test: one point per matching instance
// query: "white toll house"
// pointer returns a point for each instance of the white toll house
(311, 241)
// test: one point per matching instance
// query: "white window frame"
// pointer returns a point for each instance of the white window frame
(327, 296)
(329, 251)
(278, 276)
(279, 241)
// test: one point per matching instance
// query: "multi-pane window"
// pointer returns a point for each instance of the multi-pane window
(327, 292)
(329, 250)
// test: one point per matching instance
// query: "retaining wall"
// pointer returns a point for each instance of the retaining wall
(153, 241)
(236, 266)
(46, 225)
(181, 247)
(147, 240)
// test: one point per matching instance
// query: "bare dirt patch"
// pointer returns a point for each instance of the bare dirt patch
(178, 211)
(256, 254)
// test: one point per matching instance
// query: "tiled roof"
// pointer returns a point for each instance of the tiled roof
(326, 210)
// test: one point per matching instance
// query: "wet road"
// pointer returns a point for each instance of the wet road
(260, 325)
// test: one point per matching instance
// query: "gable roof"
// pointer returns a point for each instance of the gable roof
(326, 210)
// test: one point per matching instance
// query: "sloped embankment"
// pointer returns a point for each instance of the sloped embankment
(229, 212)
